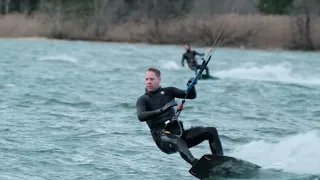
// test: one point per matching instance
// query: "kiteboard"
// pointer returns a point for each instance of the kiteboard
(205, 77)
(223, 166)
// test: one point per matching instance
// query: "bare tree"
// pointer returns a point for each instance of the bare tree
(301, 27)
(1, 6)
(207, 32)
(55, 11)
(100, 20)
(107, 12)
(161, 11)
(7, 5)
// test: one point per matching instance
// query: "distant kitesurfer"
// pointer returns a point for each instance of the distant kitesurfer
(155, 107)
(190, 57)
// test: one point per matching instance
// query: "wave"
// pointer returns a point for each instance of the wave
(64, 58)
(298, 153)
(276, 73)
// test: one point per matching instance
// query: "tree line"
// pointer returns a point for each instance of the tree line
(135, 8)
(121, 9)
(95, 19)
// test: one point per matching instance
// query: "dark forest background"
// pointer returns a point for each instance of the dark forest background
(291, 24)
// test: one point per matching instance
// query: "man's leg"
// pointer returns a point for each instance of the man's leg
(171, 143)
(207, 69)
(194, 68)
(196, 135)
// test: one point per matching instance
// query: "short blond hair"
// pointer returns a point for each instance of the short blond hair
(156, 71)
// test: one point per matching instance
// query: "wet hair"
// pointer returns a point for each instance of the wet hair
(156, 71)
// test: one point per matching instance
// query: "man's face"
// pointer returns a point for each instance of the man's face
(152, 81)
(186, 47)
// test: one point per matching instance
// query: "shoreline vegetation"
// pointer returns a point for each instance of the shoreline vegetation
(252, 31)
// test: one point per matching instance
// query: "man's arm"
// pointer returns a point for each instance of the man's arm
(142, 113)
(199, 54)
(182, 60)
(179, 93)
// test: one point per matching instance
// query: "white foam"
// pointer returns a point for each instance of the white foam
(65, 58)
(170, 65)
(10, 85)
(297, 154)
(277, 73)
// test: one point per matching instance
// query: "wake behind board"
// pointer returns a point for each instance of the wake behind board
(223, 166)
(205, 77)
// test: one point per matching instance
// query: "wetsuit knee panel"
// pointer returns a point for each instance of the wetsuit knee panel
(170, 138)
(202, 132)
(212, 130)
(168, 143)
(168, 148)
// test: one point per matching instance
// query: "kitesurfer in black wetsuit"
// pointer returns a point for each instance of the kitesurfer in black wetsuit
(155, 107)
(190, 57)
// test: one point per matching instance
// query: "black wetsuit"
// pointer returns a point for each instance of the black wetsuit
(190, 57)
(166, 136)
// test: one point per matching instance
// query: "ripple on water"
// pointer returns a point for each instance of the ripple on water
(68, 110)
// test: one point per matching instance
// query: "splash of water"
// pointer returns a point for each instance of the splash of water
(276, 73)
(170, 65)
(296, 154)
(65, 58)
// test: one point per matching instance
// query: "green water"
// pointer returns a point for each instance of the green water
(68, 110)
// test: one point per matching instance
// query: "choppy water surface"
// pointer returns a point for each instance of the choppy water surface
(68, 110)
